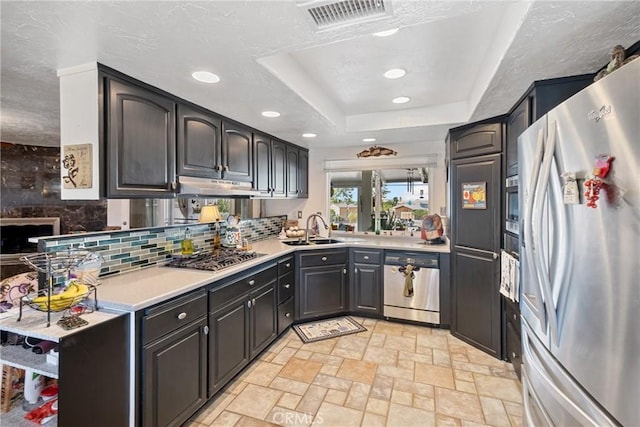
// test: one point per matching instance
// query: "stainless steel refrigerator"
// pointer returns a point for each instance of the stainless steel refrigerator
(580, 268)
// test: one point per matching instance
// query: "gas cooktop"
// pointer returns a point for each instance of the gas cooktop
(213, 261)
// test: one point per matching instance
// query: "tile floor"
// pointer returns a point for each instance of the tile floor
(391, 375)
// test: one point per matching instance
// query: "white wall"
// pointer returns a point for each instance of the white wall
(318, 200)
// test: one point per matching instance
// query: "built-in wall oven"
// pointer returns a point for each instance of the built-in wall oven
(512, 215)
(412, 286)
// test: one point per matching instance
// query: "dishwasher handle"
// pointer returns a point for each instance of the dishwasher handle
(424, 260)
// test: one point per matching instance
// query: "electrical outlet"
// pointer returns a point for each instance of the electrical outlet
(299, 214)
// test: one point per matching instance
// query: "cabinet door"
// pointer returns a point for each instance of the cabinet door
(263, 318)
(322, 291)
(292, 171)
(228, 343)
(262, 164)
(366, 288)
(141, 144)
(278, 168)
(237, 153)
(476, 140)
(518, 121)
(199, 136)
(303, 174)
(174, 376)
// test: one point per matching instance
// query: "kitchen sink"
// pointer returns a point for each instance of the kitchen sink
(311, 242)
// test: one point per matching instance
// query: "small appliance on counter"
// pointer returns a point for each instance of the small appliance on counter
(432, 230)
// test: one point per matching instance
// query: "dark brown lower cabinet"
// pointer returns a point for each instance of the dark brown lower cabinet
(322, 283)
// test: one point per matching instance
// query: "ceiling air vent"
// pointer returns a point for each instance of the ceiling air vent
(338, 13)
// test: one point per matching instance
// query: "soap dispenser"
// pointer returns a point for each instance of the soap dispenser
(187, 243)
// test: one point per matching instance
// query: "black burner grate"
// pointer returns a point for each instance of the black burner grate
(214, 261)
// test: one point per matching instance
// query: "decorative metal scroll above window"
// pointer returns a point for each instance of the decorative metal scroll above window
(376, 151)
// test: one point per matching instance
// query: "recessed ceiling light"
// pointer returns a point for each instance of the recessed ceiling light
(401, 100)
(395, 73)
(309, 135)
(205, 77)
(368, 139)
(271, 114)
(386, 33)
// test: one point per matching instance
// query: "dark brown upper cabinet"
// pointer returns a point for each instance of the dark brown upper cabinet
(292, 171)
(303, 173)
(140, 134)
(199, 143)
(262, 164)
(237, 152)
(278, 168)
(475, 140)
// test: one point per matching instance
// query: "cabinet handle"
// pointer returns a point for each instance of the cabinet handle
(252, 282)
(287, 286)
(254, 301)
(182, 316)
(324, 258)
(249, 303)
(174, 185)
(206, 330)
(344, 271)
(366, 257)
(514, 355)
(218, 168)
(287, 315)
(288, 265)
(226, 168)
(355, 270)
(515, 316)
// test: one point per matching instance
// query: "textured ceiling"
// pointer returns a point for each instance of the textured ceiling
(465, 60)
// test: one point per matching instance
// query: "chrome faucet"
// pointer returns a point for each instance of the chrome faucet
(306, 232)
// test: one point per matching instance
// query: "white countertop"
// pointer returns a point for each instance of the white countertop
(143, 288)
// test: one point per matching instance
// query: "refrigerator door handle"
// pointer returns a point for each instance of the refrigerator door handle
(531, 298)
(541, 266)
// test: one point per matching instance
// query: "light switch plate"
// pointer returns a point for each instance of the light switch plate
(299, 214)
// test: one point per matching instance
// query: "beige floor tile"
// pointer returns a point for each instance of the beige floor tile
(445, 421)
(369, 322)
(466, 386)
(311, 400)
(505, 371)
(337, 397)
(373, 420)
(381, 356)
(334, 415)
(295, 343)
(440, 376)
(291, 386)
(407, 364)
(382, 387)
(423, 349)
(209, 413)
(252, 422)
(236, 387)
(324, 346)
(300, 370)
(494, 412)
(426, 403)
(226, 419)
(413, 387)
(289, 400)
(471, 367)
(357, 370)
(415, 357)
(400, 343)
(467, 423)
(377, 406)
(327, 359)
(263, 374)
(458, 404)
(255, 401)
(329, 370)
(441, 357)
(501, 388)
(402, 397)
(513, 408)
(353, 342)
(516, 421)
(462, 375)
(332, 382)
(389, 328)
(409, 333)
(267, 356)
(433, 341)
(395, 372)
(377, 339)
(358, 396)
(286, 417)
(403, 416)
(482, 358)
(303, 354)
(284, 355)
(348, 353)
(460, 357)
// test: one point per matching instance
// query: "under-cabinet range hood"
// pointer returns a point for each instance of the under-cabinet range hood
(205, 187)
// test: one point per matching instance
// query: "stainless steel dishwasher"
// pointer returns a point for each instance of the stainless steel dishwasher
(421, 305)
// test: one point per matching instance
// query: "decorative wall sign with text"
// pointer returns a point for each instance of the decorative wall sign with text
(77, 167)
(474, 195)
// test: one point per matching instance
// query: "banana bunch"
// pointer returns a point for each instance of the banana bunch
(73, 294)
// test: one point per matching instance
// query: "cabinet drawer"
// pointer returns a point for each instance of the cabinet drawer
(285, 266)
(161, 320)
(314, 259)
(512, 311)
(285, 315)
(285, 287)
(367, 257)
(226, 293)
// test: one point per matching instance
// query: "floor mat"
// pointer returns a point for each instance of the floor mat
(328, 328)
